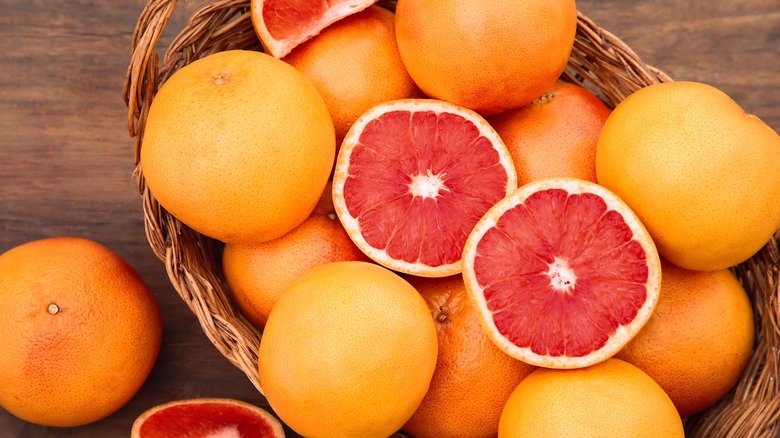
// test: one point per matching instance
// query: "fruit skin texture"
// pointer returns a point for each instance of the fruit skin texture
(555, 135)
(354, 64)
(700, 173)
(258, 274)
(224, 152)
(699, 340)
(473, 378)
(488, 57)
(75, 319)
(211, 417)
(611, 399)
(349, 350)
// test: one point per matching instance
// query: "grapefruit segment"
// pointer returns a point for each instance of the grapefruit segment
(562, 272)
(412, 178)
(281, 25)
(207, 417)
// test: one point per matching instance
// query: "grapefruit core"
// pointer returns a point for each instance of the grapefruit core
(562, 273)
(281, 25)
(207, 417)
(412, 178)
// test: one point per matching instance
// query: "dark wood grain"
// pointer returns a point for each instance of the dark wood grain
(66, 156)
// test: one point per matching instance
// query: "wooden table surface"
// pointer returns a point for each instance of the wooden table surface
(66, 159)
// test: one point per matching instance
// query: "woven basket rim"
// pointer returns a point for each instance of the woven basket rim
(600, 61)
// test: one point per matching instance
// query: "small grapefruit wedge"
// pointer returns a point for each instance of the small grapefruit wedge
(562, 273)
(413, 177)
(282, 25)
(207, 417)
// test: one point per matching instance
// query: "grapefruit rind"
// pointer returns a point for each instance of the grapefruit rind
(341, 173)
(278, 48)
(276, 426)
(623, 333)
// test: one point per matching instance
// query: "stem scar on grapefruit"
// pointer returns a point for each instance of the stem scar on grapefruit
(207, 417)
(412, 178)
(562, 273)
(281, 25)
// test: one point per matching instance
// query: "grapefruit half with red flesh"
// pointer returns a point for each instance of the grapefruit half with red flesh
(412, 178)
(207, 417)
(562, 272)
(281, 25)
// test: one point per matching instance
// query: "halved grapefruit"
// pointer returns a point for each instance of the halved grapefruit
(282, 25)
(207, 417)
(412, 178)
(562, 272)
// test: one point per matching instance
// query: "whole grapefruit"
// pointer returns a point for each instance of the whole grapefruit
(700, 173)
(610, 399)
(348, 350)
(699, 340)
(81, 331)
(239, 146)
(486, 56)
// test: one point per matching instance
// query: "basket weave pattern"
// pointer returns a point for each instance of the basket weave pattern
(599, 61)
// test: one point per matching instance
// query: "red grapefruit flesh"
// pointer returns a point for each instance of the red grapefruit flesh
(562, 272)
(412, 178)
(207, 418)
(282, 25)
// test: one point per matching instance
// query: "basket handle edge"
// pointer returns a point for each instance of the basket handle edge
(144, 65)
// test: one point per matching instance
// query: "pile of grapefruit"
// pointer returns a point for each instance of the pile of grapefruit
(436, 234)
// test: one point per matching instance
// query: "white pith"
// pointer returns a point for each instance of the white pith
(230, 431)
(562, 277)
(427, 185)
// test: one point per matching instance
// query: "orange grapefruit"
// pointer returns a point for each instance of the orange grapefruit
(700, 172)
(81, 331)
(258, 274)
(472, 379)
(354, 63)
(487, 56)
(224, 152)
(206, 417)
(610, 399)
(282, 25)
(349, 350)
(555, 135)
(412, 178)
(562, 273)
(699, 340)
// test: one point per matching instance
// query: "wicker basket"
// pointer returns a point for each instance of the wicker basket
(600, 61)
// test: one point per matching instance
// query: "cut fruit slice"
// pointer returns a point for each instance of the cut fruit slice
(412, 178)
(207, 417)
(562, 272)
(282, 25)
